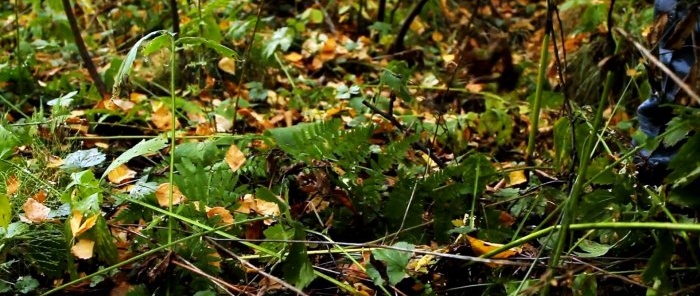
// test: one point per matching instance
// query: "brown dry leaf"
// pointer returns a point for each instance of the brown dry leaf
(78, 226)
(40, 196)
(481, 247)
(234, 158)
(228, 65)
(12, 183)
(83, 248)
(224, 214)
(35, 211)
(120, 174)
(125, 105)
(161, 116)
(163, 194)
(251, 204)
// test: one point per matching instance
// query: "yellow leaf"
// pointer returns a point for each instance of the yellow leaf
(234, 158)
(12, 184)
(163, 195)
(83, 248)
(293, 57)
(481, 247)
(121, 174)
(78, 227)
(35, 211)
(516, 177)
(228, 65)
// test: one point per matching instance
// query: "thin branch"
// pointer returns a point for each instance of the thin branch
(84, 55)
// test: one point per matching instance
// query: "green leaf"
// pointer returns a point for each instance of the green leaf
(143, 147)
(297, 267)
(585, 284)
(26, 284)
(397, 83)
(5, 210)
(8, 141)
(218, 47)
(680, 129)
(313, 15)
(592, 249)
(83, 159)
(282, 38)
(685, 165)
(15, 229)
(395, 260)
(158, 43)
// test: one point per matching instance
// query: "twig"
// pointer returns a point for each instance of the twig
(84, 55)
(645, 52)
(218, 282)
(258, 270)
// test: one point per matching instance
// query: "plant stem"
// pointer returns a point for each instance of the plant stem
(171, 173)
(537, 103)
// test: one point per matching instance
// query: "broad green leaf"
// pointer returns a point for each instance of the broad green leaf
(282, 39)
(297, 267)
(592, 249)
(142, 148)
(83, 159)
(680, 129)
(5, 210)
(158, 43)
(104, 242)
(219, 48)
(8, 141)
(397, 83)
(395, 260)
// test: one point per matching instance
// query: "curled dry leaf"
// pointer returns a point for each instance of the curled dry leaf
(78, 226)
(120, 174)
(226, 217)
(234, 158)
(35, 211)
(163, 195)
(251, 204)
(83, 248)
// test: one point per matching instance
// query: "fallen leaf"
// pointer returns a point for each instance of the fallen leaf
(163, 195)
(120, 174)
(516, 177)
(35, 211)
(40, 196)
(227, 65)
(78, 227)
(293, 57)
(225, 216)
(234, 158)
(12, 184)
(482, 247)
(83, 248)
